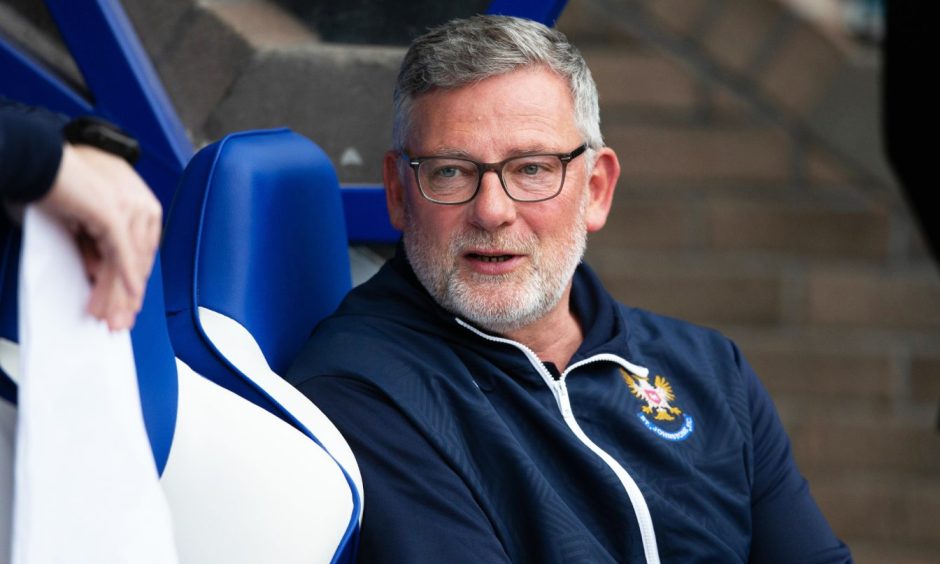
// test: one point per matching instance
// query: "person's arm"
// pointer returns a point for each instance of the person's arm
(115, 217)
(787, 524)
(415, 508)
(30, 151)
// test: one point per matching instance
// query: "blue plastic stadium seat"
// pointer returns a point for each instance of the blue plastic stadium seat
(254, 255)
(256, 233)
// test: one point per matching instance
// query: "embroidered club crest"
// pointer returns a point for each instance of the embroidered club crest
(658, 410)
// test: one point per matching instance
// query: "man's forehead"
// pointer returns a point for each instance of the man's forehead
(523, 110)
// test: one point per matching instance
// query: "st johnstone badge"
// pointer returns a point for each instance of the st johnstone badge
(658, 413)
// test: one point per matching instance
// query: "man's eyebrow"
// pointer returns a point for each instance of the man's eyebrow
(458, 153)
(454, 152)
(528, 150)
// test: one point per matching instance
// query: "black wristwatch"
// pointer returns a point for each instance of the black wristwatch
(88, 130)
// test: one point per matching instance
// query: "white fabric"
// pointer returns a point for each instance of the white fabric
(245, 487)
(86, 484)
(7, 449)
(10, 359)
(237, 345)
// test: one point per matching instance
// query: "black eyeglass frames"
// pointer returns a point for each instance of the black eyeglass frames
(526, 178)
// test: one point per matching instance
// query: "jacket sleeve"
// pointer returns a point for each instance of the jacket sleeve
(30, 151)
(415, 507)
(787, 524)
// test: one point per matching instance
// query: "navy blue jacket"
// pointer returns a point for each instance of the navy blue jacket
(30, 151)
(472, 450)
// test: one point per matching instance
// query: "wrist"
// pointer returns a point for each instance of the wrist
(101, 134)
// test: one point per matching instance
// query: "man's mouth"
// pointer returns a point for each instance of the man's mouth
(489, 258)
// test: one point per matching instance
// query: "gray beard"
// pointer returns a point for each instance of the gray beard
(483, 299)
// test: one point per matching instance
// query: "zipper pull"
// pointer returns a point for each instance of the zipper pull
(563, 402)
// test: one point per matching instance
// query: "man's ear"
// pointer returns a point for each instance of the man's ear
(601, 187)
(394, 190)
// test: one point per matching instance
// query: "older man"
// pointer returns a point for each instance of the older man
(502, 406)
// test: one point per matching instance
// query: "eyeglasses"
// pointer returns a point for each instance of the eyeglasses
(528, 178)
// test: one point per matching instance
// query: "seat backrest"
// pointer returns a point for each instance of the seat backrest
(256, 234)
(156, 370)
(254, 255)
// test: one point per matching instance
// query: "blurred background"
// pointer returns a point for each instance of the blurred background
(756, 196)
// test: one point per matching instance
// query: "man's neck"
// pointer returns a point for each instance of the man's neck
(554, 338)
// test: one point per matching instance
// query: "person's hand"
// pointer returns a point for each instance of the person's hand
(116, 220)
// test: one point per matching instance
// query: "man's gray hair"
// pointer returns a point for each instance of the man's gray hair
(465, 51)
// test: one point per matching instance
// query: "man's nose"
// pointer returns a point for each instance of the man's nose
(492, 208)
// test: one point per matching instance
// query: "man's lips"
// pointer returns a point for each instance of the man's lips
(492, 254)
(493, 262)
(489, 258)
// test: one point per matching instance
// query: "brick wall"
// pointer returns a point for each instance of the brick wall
(754, 199)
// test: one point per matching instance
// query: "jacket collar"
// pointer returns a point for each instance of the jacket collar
(600, 316)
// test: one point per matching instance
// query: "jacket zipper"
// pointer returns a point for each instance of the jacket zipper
(560, 391)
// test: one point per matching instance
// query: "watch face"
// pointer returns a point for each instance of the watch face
(104, 135)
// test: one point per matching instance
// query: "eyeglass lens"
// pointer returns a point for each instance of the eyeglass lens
(533, 177)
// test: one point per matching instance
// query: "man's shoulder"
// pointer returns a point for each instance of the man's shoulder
(386, 326)
(641, 327)
(357, 344)
(686, 353)
(647, 328)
